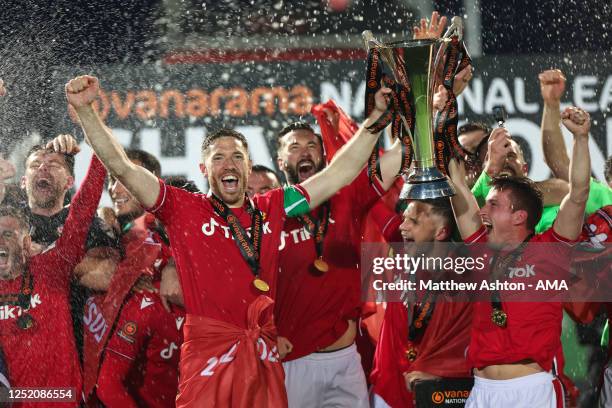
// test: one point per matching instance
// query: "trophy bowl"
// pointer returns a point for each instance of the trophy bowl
(415, 67)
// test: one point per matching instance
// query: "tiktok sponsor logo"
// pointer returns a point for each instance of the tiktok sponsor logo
(168, 352)
(14, 312)
(526, 271)
(209, 228)
(296, 236)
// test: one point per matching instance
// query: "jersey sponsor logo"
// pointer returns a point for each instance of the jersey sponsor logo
(14, 312)
(128, 332)
(297, 235)
(522, 272)
(179, 322)
(168, 352)
(94, 320)
(146, 302)
(209, 228)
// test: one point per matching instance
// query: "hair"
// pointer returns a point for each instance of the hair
(224, 132)
(442, 208)
(148, 161)
(68, 158)
(524, 195)
(474, 126)
(183, 183)
(18, 213)
(295, 126)
(608, 170)
(259, 168)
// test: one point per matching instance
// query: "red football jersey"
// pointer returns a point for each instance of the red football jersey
(534, 328)
(312, 309)
(149, 338)
(45, 355)
(217, 282)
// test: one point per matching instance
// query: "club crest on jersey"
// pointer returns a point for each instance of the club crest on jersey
(128, 332)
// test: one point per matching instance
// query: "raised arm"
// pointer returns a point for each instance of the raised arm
(552, 87)
(465, 207)
(349, 160)
(569, 221)
(81, 93)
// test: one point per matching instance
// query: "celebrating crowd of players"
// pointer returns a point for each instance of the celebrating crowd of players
(250, 295)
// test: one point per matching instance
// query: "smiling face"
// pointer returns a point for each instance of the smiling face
(46, 179)
(499, 216)
(227, 167)
(14, 246)
(300, 155)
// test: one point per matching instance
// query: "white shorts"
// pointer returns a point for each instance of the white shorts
(379, 402)
(539, 390)
(333, 379)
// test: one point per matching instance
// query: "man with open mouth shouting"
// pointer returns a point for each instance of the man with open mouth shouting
(228, 275)
(34, 317)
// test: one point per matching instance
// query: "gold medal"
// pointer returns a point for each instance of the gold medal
(321, 265)
(411, 354)
(499, 317)
(261, 285)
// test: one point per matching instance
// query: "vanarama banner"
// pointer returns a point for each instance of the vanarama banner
(166, 108)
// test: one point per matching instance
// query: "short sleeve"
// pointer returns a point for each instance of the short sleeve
(169, 202)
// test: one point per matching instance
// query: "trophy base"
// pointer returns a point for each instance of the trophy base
(426, 183)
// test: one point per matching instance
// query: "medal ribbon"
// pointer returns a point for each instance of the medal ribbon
(446, 142)
(317, 227)
(21, 299)
(500, 266)
(399, 109)
(422, 312)
(250, 247)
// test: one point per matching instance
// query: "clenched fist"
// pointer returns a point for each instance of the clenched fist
(552, 86)
(576, 121)
(82, 91)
